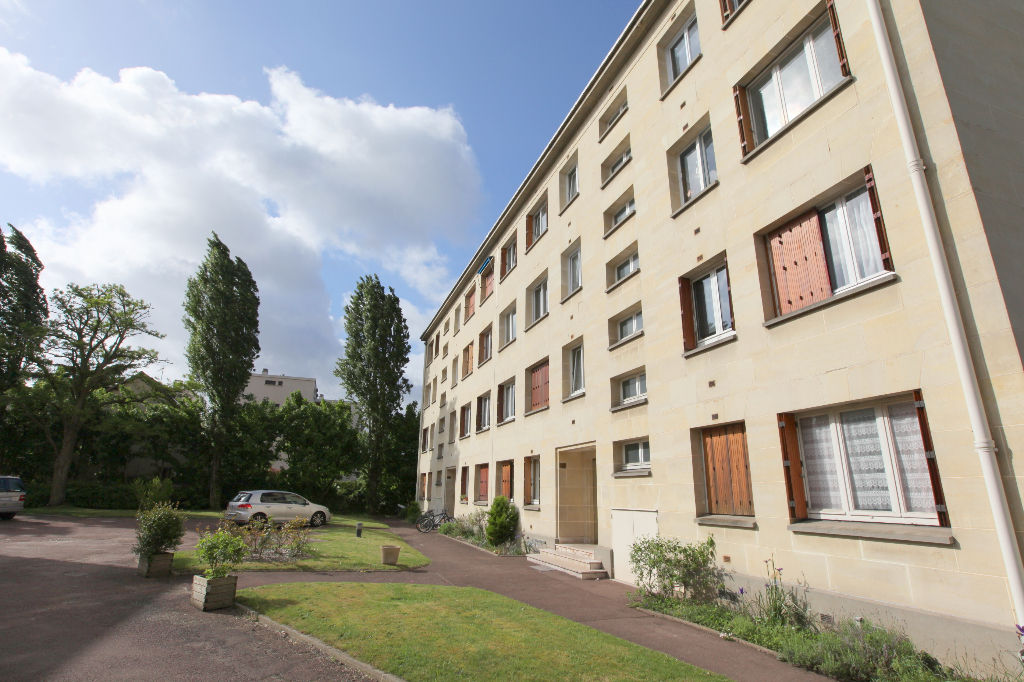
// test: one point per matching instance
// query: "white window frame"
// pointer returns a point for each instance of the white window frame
(574, 266)
(715, 314)
(638, 380)
(635, 321)
(483, 412)
(643, 448)
(577, 384)
(845, 241)
(534, 480)
(485, 344)
(707, 173)
(510, 256)
(508, 400)
(508, 327)
(899, 513)
(632, 262)
(675, 69)
(621, 161)
(614, 118)
(572, 183)
(540, 294)
(804, 43)
(540, 222)
(625, 211)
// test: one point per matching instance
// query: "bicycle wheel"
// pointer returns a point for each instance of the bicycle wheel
(425, 524)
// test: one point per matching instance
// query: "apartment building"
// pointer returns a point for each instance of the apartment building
(730, 299)
(277, 387)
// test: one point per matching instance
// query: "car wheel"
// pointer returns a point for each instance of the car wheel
(7, 516)
(318, 520)
(258, 517)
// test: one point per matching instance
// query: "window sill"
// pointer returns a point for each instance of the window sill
(720, 340)
(483, 430)
(694, 199)
(569, 203)
(486, 298)
(571, 294)
(781, 132)
(467, 375)
(616, 284)
(616, 173)
(735, 13)
(463, 501)
(506, 345)
(534, 243)
(531, 507)
(465, 436)
(623, 341)
(632, 403)
(855, 290)
(681, 76)
(727, 521)
(539, 409)
(632, 473)
(480, 503)
(611, 125)
(501, 278)
(536, 322)
(506, 421)
(483, 362)
(468, 318)
(574, 396)
(926, 535)
(619, 224)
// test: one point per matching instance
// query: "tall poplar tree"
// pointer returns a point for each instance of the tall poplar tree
(222, 318)
(373, 374)
(23, 309)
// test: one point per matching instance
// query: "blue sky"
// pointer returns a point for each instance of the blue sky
(321, 140)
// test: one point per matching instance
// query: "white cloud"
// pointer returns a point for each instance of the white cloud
(282, 184)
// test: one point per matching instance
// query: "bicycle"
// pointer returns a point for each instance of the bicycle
(432, 520)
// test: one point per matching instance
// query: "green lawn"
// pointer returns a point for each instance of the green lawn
(430, 632)
(83, 512)
(335, 547)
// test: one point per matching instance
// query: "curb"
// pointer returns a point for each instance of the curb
(704, 628)
(320, 646)
(481, 549)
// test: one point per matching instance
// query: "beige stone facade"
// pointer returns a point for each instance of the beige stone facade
(692, 392)
(277, 387)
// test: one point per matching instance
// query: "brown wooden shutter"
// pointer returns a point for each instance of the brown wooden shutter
(727, 471)
(489, 281)
(833, 19)
(528, 480)
(726, 7)
(933, 465)
(504, 261)
(686, 312)
(792, 467)
(423, 486)
(543, 384)
(430, 484)
(728, 291)
(464, 487)
(481, 492)
(876, 214)
(799, 268)
(739, 95)
(501, 403)
(479, 424)
(506, 479)
(529, 231)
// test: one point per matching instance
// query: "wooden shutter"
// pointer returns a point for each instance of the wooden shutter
(481, 491)
(423, 486)
(529, 231)
(464, 486)
(528, 480)
(686, 312)
(430, 484)
(506, 479)
(876, 214)
(539, 386)
(479, 424)
(501, 403)
(488, 282)
(726, 7)
(933, 465)
(799, 268)
(727, 471)
(844, 65)
(739, 95)
(504, 261)
(792, 467)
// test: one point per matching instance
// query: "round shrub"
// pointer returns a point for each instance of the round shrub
(502, 521)
(158, 529)
(413, 512)
(220, 551)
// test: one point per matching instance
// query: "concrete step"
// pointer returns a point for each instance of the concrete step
(585, 552)
(583, 568)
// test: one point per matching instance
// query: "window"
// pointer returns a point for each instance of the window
(705, 304)
(630, 325)
(430, 484)
(437, 479)
(508, 256)
(452, 428)
(507, 325)
(867, 462)
(683, 50)
(423, 439)
(464, 485)
(531, 469)
(506, 401)
(536, 224)
(615, 110)
(467, 360)
(621, 210)
(481, 482)
(423, 486)
(426, 395)
(537, 378)
(805, 73)
(619, 161)
(455, 371)
(465, 420)
(470, 303)
(483, 412)
(444, 373)
(457, 317)
(487, 280)
(632, 389)
(447, 326)
(634, 455)
(437, 344)
(539, 299)
(444, 396)
(440, 425)
(273, 382)
(433, 390)
(445, 351)
(828, 250)
(431, 437)
(697, 169)
(572, 272)
(622, 267)
(504, 485)
(727, 470)
(572, 184)
(440, 450)
(485, 345)
(625, 211)
(575, 373)
(730, 8)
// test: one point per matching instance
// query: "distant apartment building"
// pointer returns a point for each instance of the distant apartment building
(277, 387)
(764, 283)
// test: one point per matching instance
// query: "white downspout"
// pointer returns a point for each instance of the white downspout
(983, 443)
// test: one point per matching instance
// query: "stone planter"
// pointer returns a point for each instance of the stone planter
(213, 593)
(389, 554)
(156, 565)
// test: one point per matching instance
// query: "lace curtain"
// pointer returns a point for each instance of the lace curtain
(820, 464)
(917, 484)
(868, 479)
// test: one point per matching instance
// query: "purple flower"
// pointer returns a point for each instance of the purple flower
(742, 592)
(779, 570)
(1020, 630)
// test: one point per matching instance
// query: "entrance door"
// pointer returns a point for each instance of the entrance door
(627, 526)
(449, 490)
(577, 496)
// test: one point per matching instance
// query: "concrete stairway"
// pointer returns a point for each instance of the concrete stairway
(577, 560)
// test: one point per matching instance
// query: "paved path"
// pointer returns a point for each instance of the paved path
(599, 604)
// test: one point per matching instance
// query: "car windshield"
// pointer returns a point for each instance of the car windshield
(11, 485)
(241, 497)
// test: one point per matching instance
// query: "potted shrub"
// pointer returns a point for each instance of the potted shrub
(158, 533)
(220, 551)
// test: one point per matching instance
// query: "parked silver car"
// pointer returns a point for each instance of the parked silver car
(12, 497)
(278, 505)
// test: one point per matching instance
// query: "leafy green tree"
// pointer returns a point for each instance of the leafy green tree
(321, 444)
(23, 309)
(398, 478)
(373, 374)
(86, 351)
(222, 318)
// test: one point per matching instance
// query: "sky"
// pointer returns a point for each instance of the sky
(321, 140)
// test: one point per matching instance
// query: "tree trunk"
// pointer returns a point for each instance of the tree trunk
(62, 465)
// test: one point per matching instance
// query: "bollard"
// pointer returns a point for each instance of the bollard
(359, 529)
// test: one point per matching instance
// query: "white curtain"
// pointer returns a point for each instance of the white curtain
(820, 463)
(917, 484)
(866, 251)
(868, 479)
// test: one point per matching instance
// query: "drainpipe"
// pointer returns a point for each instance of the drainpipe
(983, 443)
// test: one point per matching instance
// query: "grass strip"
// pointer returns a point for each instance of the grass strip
(334, 547)
(430, 632)
(84, 512)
